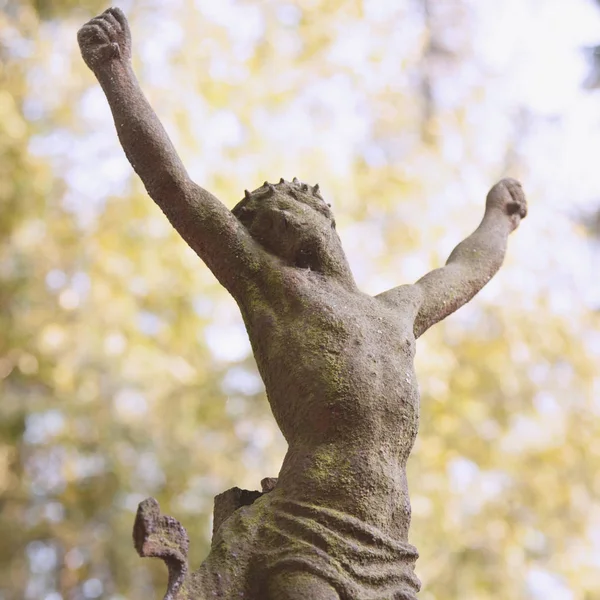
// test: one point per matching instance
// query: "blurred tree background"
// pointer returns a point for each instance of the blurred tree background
(124, 368)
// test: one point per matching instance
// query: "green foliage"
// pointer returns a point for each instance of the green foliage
(123, 369)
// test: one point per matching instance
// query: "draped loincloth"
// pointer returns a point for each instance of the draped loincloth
(278, 534)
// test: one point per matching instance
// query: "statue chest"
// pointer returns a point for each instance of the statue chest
(339, 365)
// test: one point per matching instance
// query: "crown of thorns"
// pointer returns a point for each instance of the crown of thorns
(294, 188)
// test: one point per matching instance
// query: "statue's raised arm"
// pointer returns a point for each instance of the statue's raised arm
(470, 265)
(210, 229)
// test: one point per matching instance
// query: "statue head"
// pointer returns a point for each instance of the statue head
(292, 221)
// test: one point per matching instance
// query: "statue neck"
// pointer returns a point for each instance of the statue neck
(329, 260)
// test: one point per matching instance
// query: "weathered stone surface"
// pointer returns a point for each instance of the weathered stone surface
(228, 502)
(268, 484)
(158, 536)
(337, 366)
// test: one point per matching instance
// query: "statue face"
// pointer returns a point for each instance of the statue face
(298, 226)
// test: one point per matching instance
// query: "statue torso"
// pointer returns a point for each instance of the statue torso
(338, 370)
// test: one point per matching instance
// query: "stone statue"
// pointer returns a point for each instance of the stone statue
(337, 366)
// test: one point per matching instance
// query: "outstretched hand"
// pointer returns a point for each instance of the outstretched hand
(508, 198)
(104, 39)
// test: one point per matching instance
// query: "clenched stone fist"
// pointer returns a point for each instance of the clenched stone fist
(105, 39)
(507, 196)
